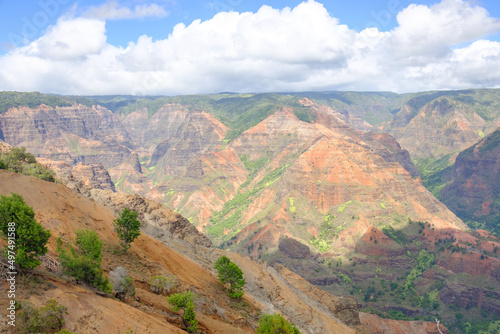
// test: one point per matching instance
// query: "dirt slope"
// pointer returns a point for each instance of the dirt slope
(63, 212)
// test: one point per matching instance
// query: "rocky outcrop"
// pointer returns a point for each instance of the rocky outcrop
(156, 219)
(467, 297)
(93, 176)
(377, 325)
(345, 308)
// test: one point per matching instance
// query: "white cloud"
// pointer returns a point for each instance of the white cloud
(112, 11)
(292, 49)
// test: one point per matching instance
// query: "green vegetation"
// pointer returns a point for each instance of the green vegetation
(19, 161)
(304, 114)
(434, 173)
(373, 107)
(342, 208)
(161, 284)
(344, 277)
(320, 244)
(123, 284)
(26, 238)
(493, 327)
(474, 327)
(185, 301)
(48, 319)
(230, 273)
(424, 261)
(84, 261)
(34, 99)
(328, 231)
(127, 226)
(274, 324)
(292, 206)
(253, 166)
(395, 235)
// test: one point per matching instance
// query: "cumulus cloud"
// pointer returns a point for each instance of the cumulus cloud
(112, 11)
(292, 49)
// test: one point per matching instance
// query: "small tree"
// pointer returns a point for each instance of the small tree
(123, 284)
(17, 220)
(185, 301)
(275, 323)
(228, 272)
(84, 262)
(127, 226)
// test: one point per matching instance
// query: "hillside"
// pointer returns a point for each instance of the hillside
(470, 186)
(267, 289)
(63, 212)
(435, 126)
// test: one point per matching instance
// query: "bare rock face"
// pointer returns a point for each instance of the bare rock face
(389, 149)
(93, 175)
(293, 248)
(156, 219)
(433, 125)
(467, 297)
(74, 134)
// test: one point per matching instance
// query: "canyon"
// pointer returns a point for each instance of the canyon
(327, 185)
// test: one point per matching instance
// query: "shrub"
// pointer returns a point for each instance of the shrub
(38, 171)
(127, 227)
(228, 272)
(185, 301)
(16, 157)
(84, 262)
(19, 161)
(17, 220)
(48, 319)
(275, 323)
(123, 284)
(161, 284)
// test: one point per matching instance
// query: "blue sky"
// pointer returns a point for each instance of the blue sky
(39, 15)
(131, 46)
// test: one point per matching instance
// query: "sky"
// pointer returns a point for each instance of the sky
(174, 47)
